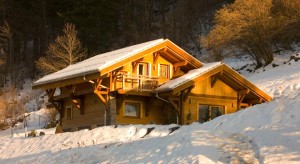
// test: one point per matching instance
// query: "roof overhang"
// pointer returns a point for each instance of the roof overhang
(228, 76)
(166, 46)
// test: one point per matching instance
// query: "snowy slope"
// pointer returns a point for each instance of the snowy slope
(264, 133)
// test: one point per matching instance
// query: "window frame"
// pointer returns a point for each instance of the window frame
(167, 70)
(136, 104)
(223, 111)
(145, 65)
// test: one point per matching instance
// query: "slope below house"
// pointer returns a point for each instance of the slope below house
(152, 82)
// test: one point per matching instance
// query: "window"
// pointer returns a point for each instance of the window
(143, 69)
(69, 113)
(132, 109)
(209, 112)
(164, 71)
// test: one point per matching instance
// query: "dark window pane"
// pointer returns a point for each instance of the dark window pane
(203, 113)
(216, 111)
(132, 109)
(141, 69)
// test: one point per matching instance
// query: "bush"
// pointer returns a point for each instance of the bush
(33, 133)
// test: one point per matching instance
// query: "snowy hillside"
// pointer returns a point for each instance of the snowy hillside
(265, 133)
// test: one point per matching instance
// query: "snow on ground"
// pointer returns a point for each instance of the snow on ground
(264, 133)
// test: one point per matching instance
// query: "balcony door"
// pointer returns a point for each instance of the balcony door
(143, 69)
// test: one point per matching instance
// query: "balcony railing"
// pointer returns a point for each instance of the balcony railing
(136, 82)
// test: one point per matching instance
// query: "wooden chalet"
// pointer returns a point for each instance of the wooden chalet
(152, 82)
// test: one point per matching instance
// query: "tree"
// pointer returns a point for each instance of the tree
(250, 27)
(66, 50)
(6, 43)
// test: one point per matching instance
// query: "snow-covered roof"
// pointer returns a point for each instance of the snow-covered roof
(97, 63)
(192, 74)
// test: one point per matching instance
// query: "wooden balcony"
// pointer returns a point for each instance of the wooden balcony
(136, 82)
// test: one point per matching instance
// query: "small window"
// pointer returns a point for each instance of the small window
(69, 112)
(164, 71)
(132, 109)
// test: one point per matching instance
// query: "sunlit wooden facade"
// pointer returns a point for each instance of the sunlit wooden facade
(125, 92)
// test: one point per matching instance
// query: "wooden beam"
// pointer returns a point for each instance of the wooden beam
(255, 101)
(188, 91)
(71, 89)
(97, 84)
(135, 64)
(50, 93)
(174, 105)
(179, 64)
(212, 96)
(101, 97)
(101, 91)
(245, 91)
(241, 96)
(155, 57)
(113, 78)
(181, 107)
(176, 71)
(215, 78)
(186, 56)
(183, 86)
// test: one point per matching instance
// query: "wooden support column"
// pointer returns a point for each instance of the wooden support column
(187, 92)
(113, 78)
(175, 106)
(102, 92)
(241, 96)
(181, 106)
(58, 105)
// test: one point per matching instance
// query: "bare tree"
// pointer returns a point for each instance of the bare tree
(252, 26)
(13, 110)
(66, 50)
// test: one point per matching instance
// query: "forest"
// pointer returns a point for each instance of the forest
(32, 30)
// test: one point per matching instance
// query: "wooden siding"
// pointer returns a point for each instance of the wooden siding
(221, 95)
(220, 88)
(93, 113)
(152, 111)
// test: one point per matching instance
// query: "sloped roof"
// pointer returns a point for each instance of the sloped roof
(228, 76)
(96, 63)
(192, 74)
(104, 61)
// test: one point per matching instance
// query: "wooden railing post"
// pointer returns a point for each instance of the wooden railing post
(123, 82)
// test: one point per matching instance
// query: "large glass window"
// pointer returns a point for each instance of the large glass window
(164, 71)
(132, 109)
(209, 112)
